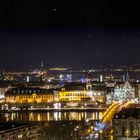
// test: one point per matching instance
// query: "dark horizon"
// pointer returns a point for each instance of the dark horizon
(77, 34)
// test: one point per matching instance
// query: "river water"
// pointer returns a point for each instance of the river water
(51, 116)
(56, 125)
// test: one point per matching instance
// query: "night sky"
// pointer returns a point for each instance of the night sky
(78, 33)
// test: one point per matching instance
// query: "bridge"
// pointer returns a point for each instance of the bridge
(109, 114)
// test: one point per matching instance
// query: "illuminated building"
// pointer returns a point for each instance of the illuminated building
(101, 78)
(4, 86)
(81, 92)
(58, 69)
(28, 95)
(110, 85)
(27, 79)
(121, 90)
(126, 124)
(124, 91)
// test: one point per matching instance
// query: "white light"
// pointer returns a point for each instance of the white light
(77, 126)
(28, 79)
(101, 78)
(57, 105)
(20, 136)
(2, 96)
(54, 9)
(87, 120)
(61, 76)
(49, 80)
(90, 93)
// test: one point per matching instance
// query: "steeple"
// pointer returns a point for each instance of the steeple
(41, 71)
(88, 81)
(127, 76)
(42, 65)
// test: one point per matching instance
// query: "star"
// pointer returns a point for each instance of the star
(54, 9)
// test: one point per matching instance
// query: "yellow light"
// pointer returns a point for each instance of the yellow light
(91, 127)
(101, 131)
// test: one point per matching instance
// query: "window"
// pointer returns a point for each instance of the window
(117, 132)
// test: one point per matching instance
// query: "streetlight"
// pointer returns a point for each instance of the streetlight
(127, 132)
(101, 132)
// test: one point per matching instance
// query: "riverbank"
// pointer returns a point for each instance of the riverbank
(53, 109)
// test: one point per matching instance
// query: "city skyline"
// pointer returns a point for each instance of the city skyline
(69, 70)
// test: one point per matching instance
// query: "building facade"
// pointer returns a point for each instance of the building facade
(82, 92)
(28, 95)
(124, 91)
(109, 91)
(126, 124)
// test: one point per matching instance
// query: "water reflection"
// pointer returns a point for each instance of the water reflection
(51, 116)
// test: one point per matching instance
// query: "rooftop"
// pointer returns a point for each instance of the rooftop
(6, 127)
(27, 91)
(128, 113)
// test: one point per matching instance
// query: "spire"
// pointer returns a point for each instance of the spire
(42, 65)
(127, 76)
(41, 71)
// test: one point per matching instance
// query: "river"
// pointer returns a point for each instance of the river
(51, 116)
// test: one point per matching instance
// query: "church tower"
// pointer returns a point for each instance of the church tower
(41, 71)
(88, 82)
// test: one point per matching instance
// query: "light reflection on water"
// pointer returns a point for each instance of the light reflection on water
(51, 116)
